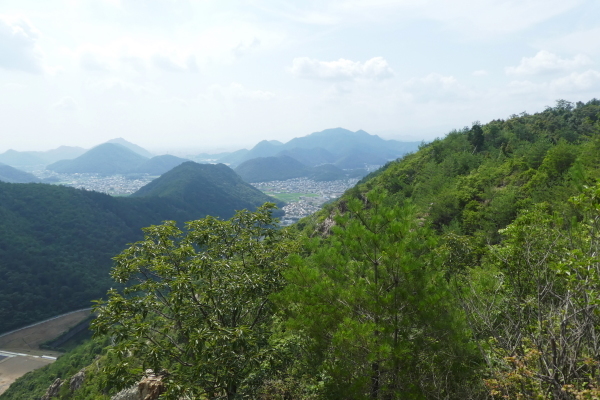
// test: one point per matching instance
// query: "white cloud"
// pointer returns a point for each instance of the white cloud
(66, 104)
(18, 45)
(118, 87)
(480, 72)
(245, 47)
(138, 64)
(436, 87)
(92, 62)
(577, 82)
(170, 64)
(236, 91)
(544, 62)
(376, 68)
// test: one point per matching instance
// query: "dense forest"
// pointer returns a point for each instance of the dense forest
(57, 243)
(466, 270)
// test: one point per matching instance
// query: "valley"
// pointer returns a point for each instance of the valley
(114, 185)
(304, 196)
(438, 249)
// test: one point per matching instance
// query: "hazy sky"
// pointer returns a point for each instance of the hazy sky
(208, 75)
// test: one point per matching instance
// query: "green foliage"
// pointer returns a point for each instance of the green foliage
(462, 271)
(56, 243)
(375, 307)
(197, 309)
(476, 180)
(537, 315)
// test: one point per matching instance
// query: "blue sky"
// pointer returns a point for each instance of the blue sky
(187, 76)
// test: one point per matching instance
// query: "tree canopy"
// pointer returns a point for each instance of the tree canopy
(197, 306)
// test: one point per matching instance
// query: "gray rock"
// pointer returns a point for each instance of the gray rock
(77, 380)
(148, 388)
(53, 389)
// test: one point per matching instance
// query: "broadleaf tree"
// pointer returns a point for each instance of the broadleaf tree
(196, 308)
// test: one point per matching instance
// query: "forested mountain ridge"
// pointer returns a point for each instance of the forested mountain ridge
(467, 270)
(477, 179)
(56, 243)
(205, 187)
(328, 146)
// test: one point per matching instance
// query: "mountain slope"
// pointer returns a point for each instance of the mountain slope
(264, 169)
(311, 157)
(467, 186)
(19, 159)
(56, 242)
(205, 189)
(327, 172)
(60, 153)
(132, 146)
(475, 181)
(158, 165)
(341, 142)
(13, 175)
(106, 159)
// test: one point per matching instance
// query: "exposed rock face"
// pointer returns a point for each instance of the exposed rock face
(77, 380)
(53, 389)
(132, 393)
(148, 388)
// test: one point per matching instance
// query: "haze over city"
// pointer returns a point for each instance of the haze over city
(210, 75)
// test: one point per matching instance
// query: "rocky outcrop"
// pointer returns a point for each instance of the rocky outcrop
(53, 389)
(148, 388)
(77, 380)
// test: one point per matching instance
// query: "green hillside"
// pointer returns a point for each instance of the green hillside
(327, 172)
(206, 189)
(467, 270)
(56, 243)
(13, 175)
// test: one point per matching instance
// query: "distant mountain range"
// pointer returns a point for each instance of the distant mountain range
(32, 158)
(56, 242)
(39, 158)
(265, 169)
(338, 146)
(114, 158)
